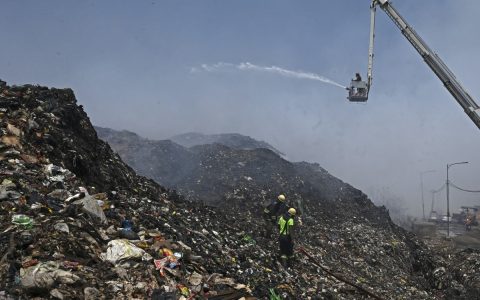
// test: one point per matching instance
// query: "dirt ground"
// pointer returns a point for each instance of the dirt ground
(469, 239)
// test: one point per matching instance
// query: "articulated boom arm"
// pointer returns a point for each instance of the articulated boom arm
(370, 45)
(358, 90)
(434, 62)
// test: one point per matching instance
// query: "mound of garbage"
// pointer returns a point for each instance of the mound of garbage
(232, 140)
(218, 173)
(77, 222)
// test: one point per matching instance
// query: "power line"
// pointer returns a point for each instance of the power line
(439, 189)
(462, 189)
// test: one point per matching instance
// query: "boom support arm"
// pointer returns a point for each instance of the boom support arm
(370, 45)
(448, 79)
(358, 90)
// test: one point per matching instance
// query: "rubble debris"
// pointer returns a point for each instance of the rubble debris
(90, 206)
(91, 293)
(62, 227)
(45, 276)
(120, 250)
(326, 270)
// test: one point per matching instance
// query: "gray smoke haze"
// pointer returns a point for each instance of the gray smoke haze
(130, 66)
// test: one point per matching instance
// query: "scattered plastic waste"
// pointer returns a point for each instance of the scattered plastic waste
(62, 227)
(121, 250)
(22, 220)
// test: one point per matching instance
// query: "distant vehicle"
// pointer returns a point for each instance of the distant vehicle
(446, 219)
(433, 217)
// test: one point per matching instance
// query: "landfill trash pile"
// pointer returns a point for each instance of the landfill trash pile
(164, 161)
(65, 199)
(465, 268)
(219, 174)
(77, 222)
(232, 140)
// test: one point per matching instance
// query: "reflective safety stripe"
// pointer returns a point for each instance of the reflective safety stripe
(285, 230)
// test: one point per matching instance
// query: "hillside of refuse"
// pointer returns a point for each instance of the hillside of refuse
(232, 140)
(77, 222)
(236, 178)
(225, 174)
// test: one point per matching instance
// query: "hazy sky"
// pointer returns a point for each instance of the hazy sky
(130, 66)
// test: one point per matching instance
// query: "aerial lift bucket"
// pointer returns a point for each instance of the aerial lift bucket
(357, 91)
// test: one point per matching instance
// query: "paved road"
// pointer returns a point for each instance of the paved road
(462, 238)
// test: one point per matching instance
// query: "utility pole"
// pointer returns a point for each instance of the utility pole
(448, 195)
(433, 201)
(421, 187)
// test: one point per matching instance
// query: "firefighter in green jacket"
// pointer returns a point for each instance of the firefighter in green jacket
(285, 240)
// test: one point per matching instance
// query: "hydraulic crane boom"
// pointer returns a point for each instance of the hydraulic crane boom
(358, 90)
(448, 79)
(370, 45)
